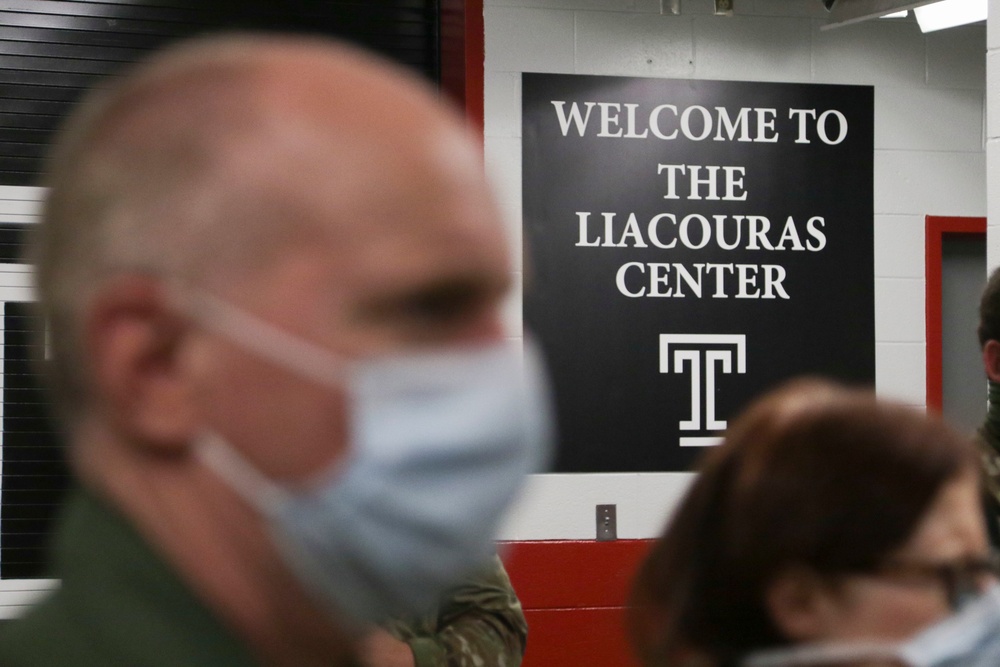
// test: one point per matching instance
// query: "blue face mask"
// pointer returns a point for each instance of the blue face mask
(967, 638)
(441, 443)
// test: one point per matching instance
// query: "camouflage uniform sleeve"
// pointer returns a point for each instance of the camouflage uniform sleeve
(988, 442)
(480, 624)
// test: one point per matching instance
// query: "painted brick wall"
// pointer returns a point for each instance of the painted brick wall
(929, 159)
(574, 595)
(993, 136)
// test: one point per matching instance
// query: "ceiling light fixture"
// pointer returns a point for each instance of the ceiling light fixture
(848, 12)
(932, 15)
(950, 13)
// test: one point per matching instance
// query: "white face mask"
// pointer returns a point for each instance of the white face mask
(441, 443)
(967, 638)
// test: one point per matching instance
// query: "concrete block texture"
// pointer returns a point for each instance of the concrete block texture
(929, 183)
(930, 119)
(899, 310)
(992, 250)
(901, 372)
(809, 9)
(899, 246)
(993, 135)
(688, 7)
(503, 166)
(752, 48)
(993, 94)
(956, 57)
(634, 44)
(529, 40)
(993, 25)
(878, 53)
(502, 97)
(993, 197)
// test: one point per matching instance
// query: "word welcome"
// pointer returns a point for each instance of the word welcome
(698, 123)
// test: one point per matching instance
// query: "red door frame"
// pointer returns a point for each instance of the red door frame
(935, 228)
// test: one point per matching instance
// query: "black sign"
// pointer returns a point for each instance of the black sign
(690, 244)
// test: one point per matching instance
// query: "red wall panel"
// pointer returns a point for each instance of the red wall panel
(577, 638)
(574, 595)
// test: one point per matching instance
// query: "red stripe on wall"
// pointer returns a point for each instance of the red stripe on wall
(574, 595)
(462, 56)
(577, 638)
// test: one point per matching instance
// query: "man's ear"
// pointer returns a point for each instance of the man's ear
(800, 602)
(135, 341)
(991, 359)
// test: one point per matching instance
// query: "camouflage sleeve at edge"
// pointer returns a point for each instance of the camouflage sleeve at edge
(480, 624)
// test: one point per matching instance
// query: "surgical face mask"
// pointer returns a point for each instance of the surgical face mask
(441, 443)
(968, 638)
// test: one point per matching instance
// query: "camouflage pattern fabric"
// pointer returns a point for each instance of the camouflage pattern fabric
(989, 455)
(989, 452)
(478, 624)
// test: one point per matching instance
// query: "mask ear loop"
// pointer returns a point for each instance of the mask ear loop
(268, 342)
(248, 482)
(263, 339)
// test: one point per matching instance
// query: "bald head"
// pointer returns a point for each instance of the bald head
(217, 156)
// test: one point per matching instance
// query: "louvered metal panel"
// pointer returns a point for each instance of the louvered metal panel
(34, 471)
(50, 52)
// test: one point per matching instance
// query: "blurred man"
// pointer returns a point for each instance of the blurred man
(272, 273)
(989, 432)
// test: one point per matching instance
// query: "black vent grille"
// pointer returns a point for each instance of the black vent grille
(53, 50)
(34, 471)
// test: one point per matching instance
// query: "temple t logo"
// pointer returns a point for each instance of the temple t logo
(702, 357)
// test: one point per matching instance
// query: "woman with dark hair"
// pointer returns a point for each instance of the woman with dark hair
(829, 525)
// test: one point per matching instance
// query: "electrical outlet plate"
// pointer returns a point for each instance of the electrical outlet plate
(607, 523)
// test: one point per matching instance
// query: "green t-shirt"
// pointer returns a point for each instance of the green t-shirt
(118, 604)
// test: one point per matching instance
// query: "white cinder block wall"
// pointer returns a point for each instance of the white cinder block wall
(993, 136)
(929, 160)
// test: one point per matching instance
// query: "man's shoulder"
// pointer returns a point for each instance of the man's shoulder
(119, 603)
(48, 635)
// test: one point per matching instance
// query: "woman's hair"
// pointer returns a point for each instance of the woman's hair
(812, 475)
